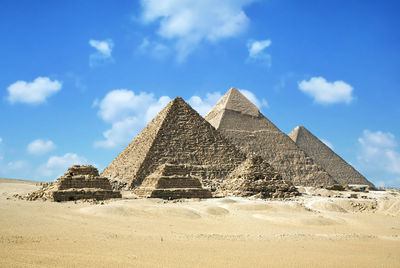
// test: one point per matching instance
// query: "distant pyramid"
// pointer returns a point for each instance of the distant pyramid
(177, 135)
(241, 121)
(339, 169)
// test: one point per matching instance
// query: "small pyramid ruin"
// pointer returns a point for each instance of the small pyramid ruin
(177, 135)
(243, 124)
(338, 168)
(255, 177)
(79, 182)
(172, 182)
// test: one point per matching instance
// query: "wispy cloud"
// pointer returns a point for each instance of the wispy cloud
(380, 156)
(35, 92)
(40, 147)
(103, 52)
(154, 49)
(324, 92)
(257, 51)
(191, 22)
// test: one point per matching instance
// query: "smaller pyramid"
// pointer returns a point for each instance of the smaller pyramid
(79, 182)
(338, 168)
(255, 177)
(170, 181)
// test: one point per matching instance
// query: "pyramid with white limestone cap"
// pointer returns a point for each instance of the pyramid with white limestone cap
(324, 156)
(243, 124)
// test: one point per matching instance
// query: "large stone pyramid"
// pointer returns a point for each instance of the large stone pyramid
(177, 135)
(339, 169)
(241, 121)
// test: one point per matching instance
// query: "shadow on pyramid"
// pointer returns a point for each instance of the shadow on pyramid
(338, 168)
(239, 120)
(177, 135)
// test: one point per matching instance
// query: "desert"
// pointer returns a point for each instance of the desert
(311, 230)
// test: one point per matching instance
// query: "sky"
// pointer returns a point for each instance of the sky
(80, 79)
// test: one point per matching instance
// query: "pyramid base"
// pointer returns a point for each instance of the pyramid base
(77, 194)
(173, 193)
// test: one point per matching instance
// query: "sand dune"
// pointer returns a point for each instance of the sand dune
(308, 231)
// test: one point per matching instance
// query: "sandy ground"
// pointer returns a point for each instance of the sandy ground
(311, 231)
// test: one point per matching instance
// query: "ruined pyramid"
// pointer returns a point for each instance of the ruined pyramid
(172, 182)
(338, 168)
(242, 123)
(79, 182)
(177, 135)
(255, 177)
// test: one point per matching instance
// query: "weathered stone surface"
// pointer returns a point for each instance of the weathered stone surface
(338, 187)
(79, 182)
(172, 182)
(324, 156)
(255, 177)
(242, 123)
(84, 193)
(177, 135)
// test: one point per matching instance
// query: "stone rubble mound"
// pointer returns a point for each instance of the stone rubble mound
(255, 177)
(241, 122)
(172, 182)
(79, 182)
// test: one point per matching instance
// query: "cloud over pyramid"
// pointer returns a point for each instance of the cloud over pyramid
(177, 135)
(242, 123)
(339, 169)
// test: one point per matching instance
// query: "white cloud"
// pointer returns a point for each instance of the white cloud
(327, 143)
(379, 155)
(39, 147)
(128, 113)
(58, 165)
(1, 139)
(35, 92)
(257, 51)
(325, 92)
(203, 106)
(191, 22)
(103, 52)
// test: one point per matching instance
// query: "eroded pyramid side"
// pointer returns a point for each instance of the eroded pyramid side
(338, 168)
(255, 134)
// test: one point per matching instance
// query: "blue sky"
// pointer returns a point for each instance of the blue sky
(80, 79)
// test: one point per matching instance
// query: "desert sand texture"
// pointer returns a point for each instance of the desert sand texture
(315, 230)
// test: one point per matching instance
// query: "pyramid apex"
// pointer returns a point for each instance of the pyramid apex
(234, 100)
